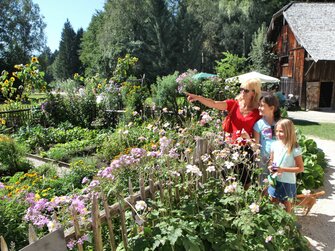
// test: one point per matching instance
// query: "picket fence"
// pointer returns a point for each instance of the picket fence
(167, 190)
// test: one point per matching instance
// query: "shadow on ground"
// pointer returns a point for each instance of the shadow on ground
(301, 122)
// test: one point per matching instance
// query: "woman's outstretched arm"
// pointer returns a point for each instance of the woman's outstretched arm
(220, 105)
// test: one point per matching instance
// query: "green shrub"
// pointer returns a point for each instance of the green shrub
(11, 157)
(314, 164)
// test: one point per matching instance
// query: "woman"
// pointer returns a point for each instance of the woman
(244, 114)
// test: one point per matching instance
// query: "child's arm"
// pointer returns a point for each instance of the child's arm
(256, 137)
(297, 169)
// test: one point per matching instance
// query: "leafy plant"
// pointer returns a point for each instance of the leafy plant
(314, 164)
(11, 157)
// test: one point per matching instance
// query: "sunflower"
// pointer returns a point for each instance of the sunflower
(34, 60)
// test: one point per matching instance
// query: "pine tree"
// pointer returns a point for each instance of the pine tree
(67, 61)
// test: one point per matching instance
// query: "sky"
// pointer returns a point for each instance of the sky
(55, 12)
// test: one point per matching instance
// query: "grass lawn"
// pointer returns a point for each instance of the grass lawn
(320, 130)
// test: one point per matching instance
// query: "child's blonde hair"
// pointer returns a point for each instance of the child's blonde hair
(289, 131)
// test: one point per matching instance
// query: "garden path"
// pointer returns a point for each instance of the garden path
(61, 171)
(319, 225)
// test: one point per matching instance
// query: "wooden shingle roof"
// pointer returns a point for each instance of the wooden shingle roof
(313, 25)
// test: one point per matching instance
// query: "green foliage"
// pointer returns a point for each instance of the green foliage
(261, 55)
(132, 135)
(90, 54)
(314, 164)
(21, 32)
(29, 78)
(78, 110)
(196, 223)
(230, 65)
(165, 92)
(67, 61)
(124, 68)
(11, 157)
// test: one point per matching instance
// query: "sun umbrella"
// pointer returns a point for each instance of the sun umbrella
(254, 74)
(203, 75)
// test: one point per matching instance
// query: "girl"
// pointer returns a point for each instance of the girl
(264, 133)
(286, 161)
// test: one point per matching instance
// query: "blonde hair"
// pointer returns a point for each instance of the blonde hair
(290, 139)
(255, 85)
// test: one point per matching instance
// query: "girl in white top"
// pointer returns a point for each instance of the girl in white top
(286, 159)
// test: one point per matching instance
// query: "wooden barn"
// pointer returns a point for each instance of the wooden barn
(304, 38)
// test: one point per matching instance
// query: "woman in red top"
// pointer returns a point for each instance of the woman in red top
(243, 116)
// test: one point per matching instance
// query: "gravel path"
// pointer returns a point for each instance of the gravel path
(319, 225)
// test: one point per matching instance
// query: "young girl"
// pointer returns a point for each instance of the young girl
(286, 160)
(264, 133)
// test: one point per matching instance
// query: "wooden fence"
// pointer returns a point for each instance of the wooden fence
(18, 117)
(166, 190)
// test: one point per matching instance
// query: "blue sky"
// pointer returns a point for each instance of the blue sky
(55, 12)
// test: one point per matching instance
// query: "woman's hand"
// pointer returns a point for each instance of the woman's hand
(244, 134)
(192, 97)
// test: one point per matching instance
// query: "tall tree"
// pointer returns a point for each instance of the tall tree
(90, 53)
(261, 55)
(21, 32)
(67, 61)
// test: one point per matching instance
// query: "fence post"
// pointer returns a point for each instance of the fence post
(201, 149)
(32, 236)
(123, 226)
(152, 187)
(142, 188)
(3, 244)
(76, 228)
(96, 225)
(109, 222)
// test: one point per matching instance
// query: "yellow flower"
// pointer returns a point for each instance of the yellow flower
(37, 197)
(34, 60)
(12, 79)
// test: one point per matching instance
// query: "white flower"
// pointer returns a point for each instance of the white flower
(175, 173)
(125, 132)
(281, 232)
(53, 226)
(193, 169)
(254, 208)
(197, 108)
(210, 169)
(268, 239)
(135, 113)
(167, 124)
(165, 110)
(140, 205)
(235, 156)
(180, 111)
(205, 157)
(306, 192)
(231, 188)
(229, 164)
(142, 138)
